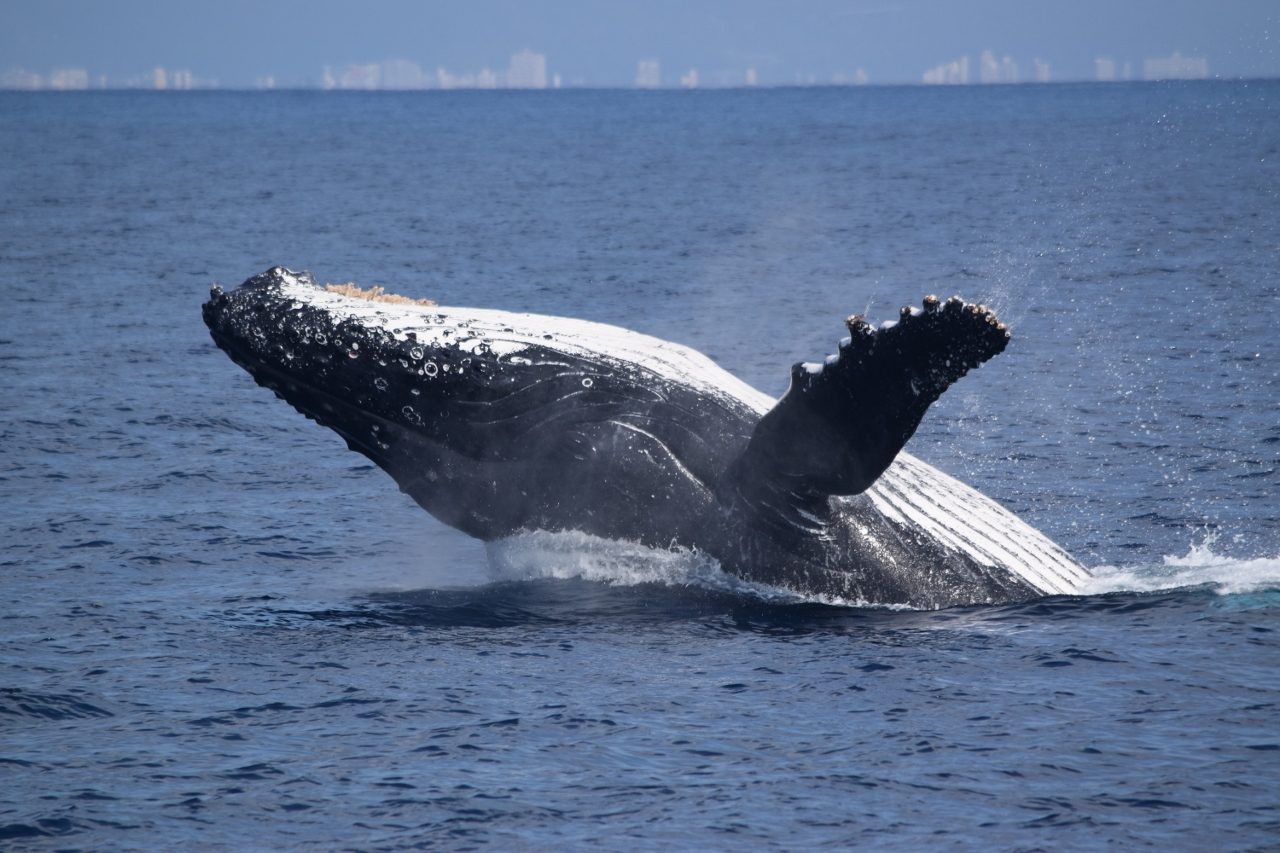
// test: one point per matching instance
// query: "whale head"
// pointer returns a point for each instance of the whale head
(399, 381)
(353, 364)
(472, 411)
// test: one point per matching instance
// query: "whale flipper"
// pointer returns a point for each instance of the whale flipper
(841, 423)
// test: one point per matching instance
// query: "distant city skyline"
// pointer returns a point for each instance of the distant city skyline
(527, 69)
(399, 44)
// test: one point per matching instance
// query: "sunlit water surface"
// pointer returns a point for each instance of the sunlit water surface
(225, 630)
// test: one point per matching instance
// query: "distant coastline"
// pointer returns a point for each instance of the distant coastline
(528, 70)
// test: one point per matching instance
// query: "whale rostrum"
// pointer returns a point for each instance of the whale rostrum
(498, 422)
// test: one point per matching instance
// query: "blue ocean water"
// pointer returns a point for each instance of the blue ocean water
(225, 630)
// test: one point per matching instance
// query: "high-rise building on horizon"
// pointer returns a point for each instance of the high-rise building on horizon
(527, 70)
(362, 76)
(689, 79)
(402, 74)
(857, 78)
(988, 69)
(1104, 69)
(1175, 67)
(648, 74)
(953, 73)
(68, 79)
(992, 71)
(21, 78)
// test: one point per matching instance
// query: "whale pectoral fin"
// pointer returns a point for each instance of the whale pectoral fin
(841, 423)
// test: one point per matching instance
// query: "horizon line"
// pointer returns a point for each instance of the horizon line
(620, 88)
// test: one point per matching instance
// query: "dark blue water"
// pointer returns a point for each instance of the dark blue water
(225, 630)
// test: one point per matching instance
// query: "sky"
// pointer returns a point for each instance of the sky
(598, 43)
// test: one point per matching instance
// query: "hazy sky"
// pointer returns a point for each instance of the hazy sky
(598, 43)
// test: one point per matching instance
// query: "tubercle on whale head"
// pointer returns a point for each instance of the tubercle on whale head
(307, 345)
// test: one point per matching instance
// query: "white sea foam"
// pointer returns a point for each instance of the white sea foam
(572, 554)
(1200, 566)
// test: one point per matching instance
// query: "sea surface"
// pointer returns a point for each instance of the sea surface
(222, 630)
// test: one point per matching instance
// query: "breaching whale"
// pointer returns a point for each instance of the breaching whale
(498, 423)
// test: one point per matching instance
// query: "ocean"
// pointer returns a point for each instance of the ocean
(225, 631)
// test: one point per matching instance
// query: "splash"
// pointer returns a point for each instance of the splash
(572, 554)
(1200, 566)
(565, 555)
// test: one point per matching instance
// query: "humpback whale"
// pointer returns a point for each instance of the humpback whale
(498, 423)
